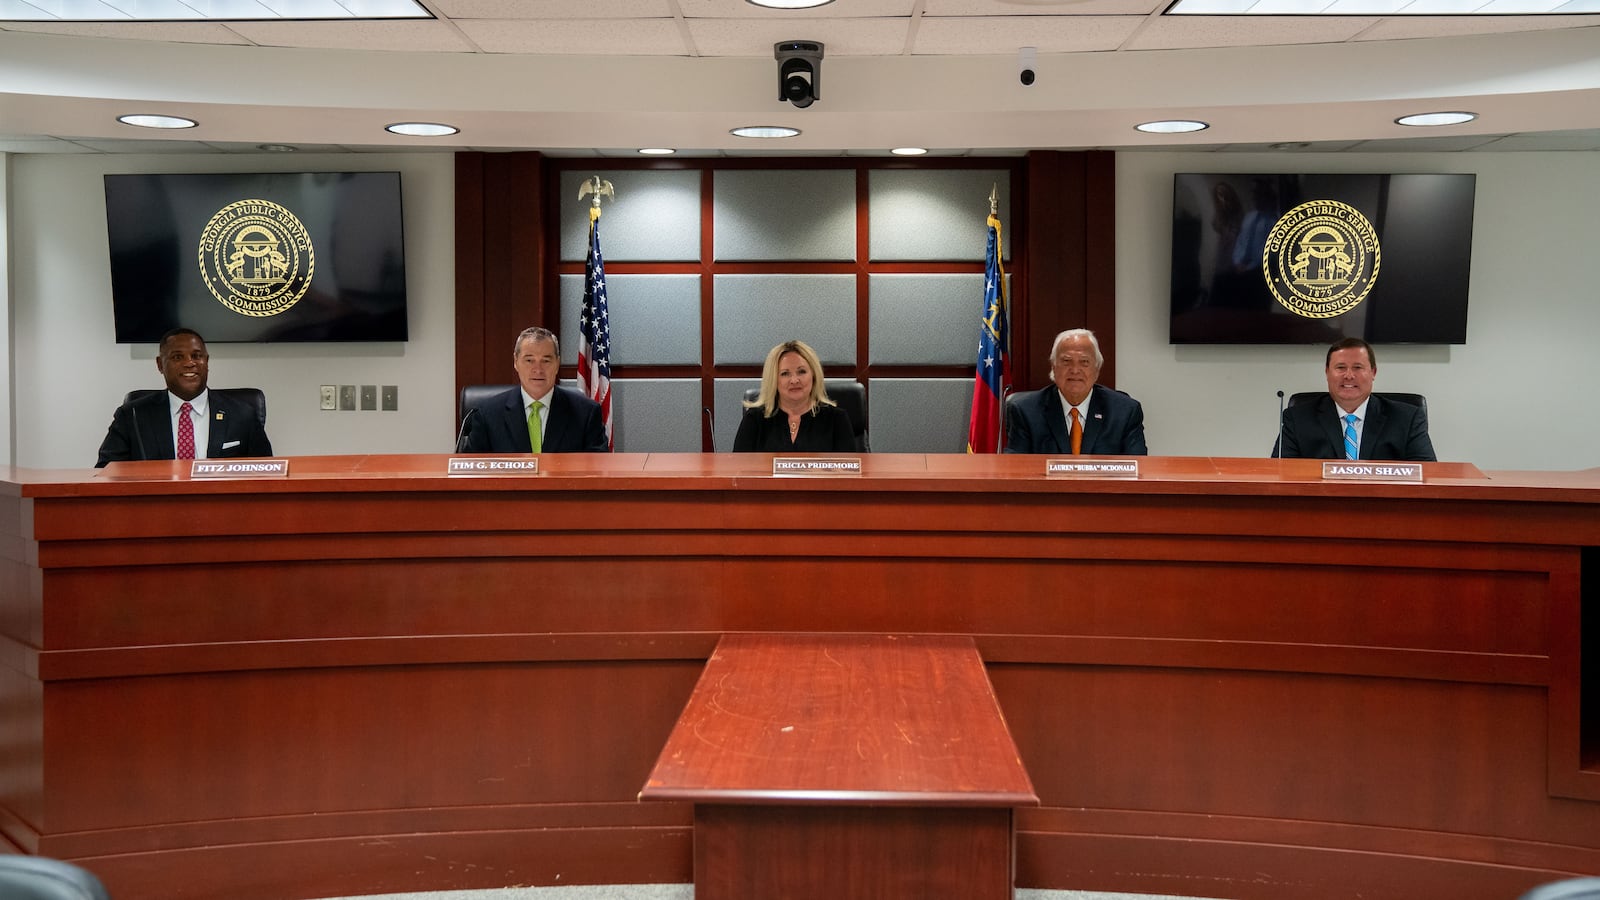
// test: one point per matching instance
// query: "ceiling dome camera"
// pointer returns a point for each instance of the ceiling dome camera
(799, 71)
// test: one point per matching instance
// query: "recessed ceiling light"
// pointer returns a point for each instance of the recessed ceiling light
(144, 121)
(657, 151)
(277, 148)
(789, 4)
(765, 131)
(421, 129)
(1171, 126)
(1427, 120)
(909, 151)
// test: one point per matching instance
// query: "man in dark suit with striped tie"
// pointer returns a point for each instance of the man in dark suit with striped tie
(1351, 423)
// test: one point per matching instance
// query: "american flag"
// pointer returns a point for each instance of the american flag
(994, 352)
(594, 351)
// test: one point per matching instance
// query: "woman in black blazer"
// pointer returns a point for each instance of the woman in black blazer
(793, 412)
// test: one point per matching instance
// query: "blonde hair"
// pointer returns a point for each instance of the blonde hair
(768, 398)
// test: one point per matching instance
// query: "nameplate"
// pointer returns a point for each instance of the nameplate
(493, 465)
(1091, 468)
(239, 468)
(1373, 471)
(809, 465)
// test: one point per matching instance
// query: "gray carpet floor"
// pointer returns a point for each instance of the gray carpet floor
(686, 892)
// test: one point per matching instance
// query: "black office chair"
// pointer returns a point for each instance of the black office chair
(41, 878)
(473, 395)
(1398, 397)
(1566, 889)
(851, 396)
(255, 398)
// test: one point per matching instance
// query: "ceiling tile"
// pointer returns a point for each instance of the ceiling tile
(1426, 144)
(853, 37)
(843, 9)
(1587, 139)
(555, 9)
(592, 37)
(410, 34)
(1050, 34)
(1187, 32)
(1406, 27)
(181, 32)
(939, 8)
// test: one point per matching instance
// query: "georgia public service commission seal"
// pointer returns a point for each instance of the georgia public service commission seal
(256, 258)
(1321, 259)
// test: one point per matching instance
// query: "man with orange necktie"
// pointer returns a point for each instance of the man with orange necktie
(1074, 415)
(186, 421)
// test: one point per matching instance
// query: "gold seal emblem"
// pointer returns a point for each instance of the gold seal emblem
(1321, 259)
(256, 258)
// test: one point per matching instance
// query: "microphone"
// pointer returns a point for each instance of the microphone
(1277, 449)
(711, 421)
(461, 436)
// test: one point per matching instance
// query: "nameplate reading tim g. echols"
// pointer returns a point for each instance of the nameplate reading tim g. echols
(1371, 471)
(1091, 468)
(239, 468)
(493, 465)
(808, 465)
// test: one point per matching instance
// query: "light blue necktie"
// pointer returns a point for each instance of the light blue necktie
(1350, 442)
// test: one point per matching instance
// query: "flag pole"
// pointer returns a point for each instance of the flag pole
(994, 213)
(594, 346)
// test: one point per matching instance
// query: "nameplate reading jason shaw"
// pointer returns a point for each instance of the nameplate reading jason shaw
(493, 465)
(239, 468)
(1371, 471)
(806, 465)
(1091, 468)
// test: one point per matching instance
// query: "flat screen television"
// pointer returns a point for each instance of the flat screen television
(307, 256)
(1310, 259)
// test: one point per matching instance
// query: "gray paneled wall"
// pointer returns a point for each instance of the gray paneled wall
(770, 217)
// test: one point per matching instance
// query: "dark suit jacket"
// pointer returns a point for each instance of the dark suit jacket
(826, 430)
(1113, 426)
(143, 430)
(500, 425)
(1393, 430)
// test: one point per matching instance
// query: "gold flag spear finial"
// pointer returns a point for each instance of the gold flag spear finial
(994, 199)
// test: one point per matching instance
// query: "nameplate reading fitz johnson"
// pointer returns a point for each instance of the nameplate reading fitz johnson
(239, 468)
(1091, 468)
(1371, 471)
(493, 465)
(809, 465)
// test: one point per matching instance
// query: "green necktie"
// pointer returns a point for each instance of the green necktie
(535, 433)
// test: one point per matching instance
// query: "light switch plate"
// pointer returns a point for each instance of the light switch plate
(347, 396)
(391, 397)
(330, 396)
(369, 396)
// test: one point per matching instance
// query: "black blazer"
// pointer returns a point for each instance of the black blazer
(825, 429)
(1393, 430)
(500, 425)
(1114, 424)
(142, 429)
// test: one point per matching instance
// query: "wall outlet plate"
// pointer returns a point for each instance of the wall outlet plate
(347, 396)
(369, 396)
(391, 397)
(330, 396)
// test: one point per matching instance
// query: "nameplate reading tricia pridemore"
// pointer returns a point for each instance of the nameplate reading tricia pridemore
(492, 465)
(816, 465)
(239, 468)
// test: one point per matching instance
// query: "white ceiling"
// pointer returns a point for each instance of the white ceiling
(584, 77)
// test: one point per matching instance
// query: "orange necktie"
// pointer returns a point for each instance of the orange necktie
(1077, 432)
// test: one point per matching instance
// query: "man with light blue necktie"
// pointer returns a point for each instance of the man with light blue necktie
(1351, 422)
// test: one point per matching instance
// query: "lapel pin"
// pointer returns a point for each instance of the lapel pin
(219, 417)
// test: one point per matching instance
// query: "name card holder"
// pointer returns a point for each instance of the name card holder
(816, 465)
(492, 465)
(1091, 468)
(1371, 471)
(239, 468)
